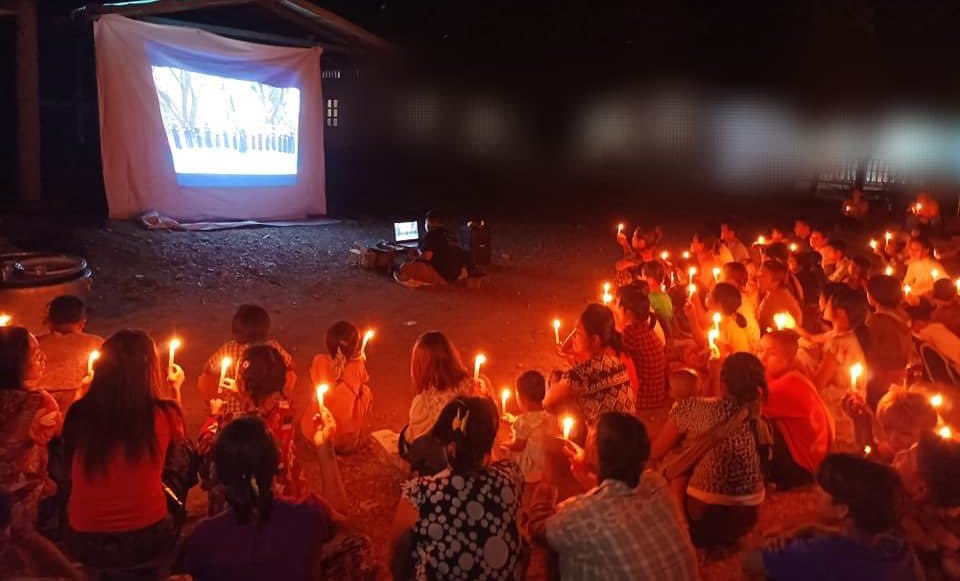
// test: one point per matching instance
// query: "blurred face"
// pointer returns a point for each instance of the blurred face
(726, 234)
(766, 280)
(801, 229)
(36, 361)
(817, 240)
(584, 344)
(774, 360)
(916, 250)
(696, 245)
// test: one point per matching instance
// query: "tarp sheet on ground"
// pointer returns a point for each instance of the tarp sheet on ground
(201, 127)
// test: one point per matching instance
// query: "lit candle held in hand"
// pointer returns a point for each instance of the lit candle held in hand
(322, 390)
(692, 290)
(478, 362)
(567, 426)
(712, 336)
(889, 272)
(91, 360)
(366, 339)
(716, 318)
(945, 432)
(716, 274)
(504, 398)
(556, 330)
(225, 364)
(664, 255)
(794, 247)
(761, 240)
(856, 371)
(174, 345)
(691, 272)
(936, 400)
(686, 255)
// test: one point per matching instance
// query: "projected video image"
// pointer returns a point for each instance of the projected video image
(228, 132)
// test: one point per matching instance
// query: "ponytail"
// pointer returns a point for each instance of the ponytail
(249, 500)
(740, 320)
(245, 460)
(470, 425)
(598, 320)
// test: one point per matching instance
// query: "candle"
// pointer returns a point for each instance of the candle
(936, 400)
(504, 397)
(5, 320)
(224, 367)
(716, 318)
(712, 336)
(366, 339)
(94, 355)
(906, 289)
(620, 228)
(478, 361)
(794, 247)
(174, 345)
(691, 272)
(556, 330)
(888, 236)
(958, 285)
(935, 274)
(874, 244)
(780, 321)
(664, 255)
(945, 432)
(919, 207)
(847, 208)
(856, 370)
(761, 240)
(889, 272)
(686, 255)
(322, 390)
(867, 449)
(567, 427)
(692, 289)
(716, 274)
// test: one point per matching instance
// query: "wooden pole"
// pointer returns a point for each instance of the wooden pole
(28, 103)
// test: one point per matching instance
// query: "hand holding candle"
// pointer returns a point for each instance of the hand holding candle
(174, 345)
(322, 390)
(478, 362)
(567, 426)
(856, 371)
(225, 364)
(91, 360)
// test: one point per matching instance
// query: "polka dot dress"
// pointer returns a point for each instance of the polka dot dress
(467, 527)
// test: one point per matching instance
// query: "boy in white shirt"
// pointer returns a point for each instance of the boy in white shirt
(922, 269)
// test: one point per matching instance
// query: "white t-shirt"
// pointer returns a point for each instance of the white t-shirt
(919, 275)
(535, 428)
(943, 340)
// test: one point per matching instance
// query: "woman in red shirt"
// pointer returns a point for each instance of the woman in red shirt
(116, 439)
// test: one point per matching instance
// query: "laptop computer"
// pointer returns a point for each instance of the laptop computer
(406, 234)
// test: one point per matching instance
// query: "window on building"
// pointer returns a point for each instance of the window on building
(330, 74)
(333, 112)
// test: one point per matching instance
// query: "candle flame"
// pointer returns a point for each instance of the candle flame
(867, 450)
(175, 344)
(94, 355)
(888, 236)
(906, 289)
(692, 271)
(958, 285)
(856, 370)
(620, 227)
(480, 359)
(567, 427)
(936, 400)
(686, 255)
(874, 244)
(504, 398)
(761, 240)
(888, 271)
(369, 334)
(606, 287)
(225, 364)
(5, 320)
(664, 255)
(692, 289)
(716, 318)
(322, 390)
(793, 247)
(945, 432)
(716, 273)
(935, 274)
(556, 324)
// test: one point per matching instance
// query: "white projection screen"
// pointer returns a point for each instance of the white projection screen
(201, 127)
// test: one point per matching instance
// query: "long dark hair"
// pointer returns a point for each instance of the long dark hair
(435, 363)
(263, 372)
(743, 378)
(246, 461)
(728, 298)
(470, 424)
(854, 303)
(633, 299)
(343, 337)
(14, 355)
(118, 409)
(598, 320)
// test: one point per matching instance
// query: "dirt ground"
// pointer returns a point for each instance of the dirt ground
(189, 284)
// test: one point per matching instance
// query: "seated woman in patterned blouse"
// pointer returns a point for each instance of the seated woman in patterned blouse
(462, 522)
(598, 381)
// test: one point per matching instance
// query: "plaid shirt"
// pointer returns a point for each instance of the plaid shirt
(614, 533)
(649, 358)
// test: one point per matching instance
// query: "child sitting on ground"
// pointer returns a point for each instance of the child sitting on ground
(67, 349)
(343, 368)
(904, 416)
(250, 326)
(531, 429)
(653, 273)
(858, 535)
(684, 383)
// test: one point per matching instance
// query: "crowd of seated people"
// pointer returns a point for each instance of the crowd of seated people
(786, 364)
